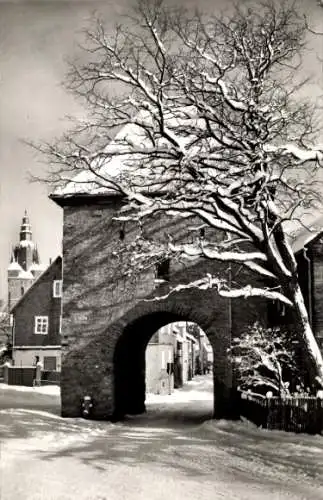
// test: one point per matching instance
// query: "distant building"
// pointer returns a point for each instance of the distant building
(25, 266)
(37, 321)
(160, 363)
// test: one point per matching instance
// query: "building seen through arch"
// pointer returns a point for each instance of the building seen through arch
(175, 354)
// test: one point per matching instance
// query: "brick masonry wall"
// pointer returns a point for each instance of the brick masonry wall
(108, 318)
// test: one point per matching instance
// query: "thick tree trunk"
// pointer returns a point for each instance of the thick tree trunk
(315, 359)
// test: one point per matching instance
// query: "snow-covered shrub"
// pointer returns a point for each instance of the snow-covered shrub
(5, 353)
(264, 359)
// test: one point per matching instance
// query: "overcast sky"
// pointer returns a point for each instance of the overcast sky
(35, 38)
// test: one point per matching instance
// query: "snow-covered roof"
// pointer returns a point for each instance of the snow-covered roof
(301, 235)
(86, 182)
(117, 163)
(37, 267)
(25, 244)
(25, 275)
(14, 266)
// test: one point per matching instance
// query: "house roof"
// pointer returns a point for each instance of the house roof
(124, 158)
(26, 275)
(304, 234)
(114, 163)
(14, 266)
(31, 288)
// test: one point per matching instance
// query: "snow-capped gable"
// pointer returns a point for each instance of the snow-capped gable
(123, 157)
(113, 165)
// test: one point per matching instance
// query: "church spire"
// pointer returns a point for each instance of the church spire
(24, 249)
(25, 229)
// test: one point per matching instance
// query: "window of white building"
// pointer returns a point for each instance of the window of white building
(41, 325)
(50, 363)
(163, 364)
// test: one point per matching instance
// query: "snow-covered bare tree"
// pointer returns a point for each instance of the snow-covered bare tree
(5, 337)
(264, 360)
(4, 325)
(201, 116)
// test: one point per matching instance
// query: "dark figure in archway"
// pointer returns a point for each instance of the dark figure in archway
(178, 378)
(198, 369)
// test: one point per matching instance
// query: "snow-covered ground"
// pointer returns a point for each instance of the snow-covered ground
(169, 451)
(53, 390)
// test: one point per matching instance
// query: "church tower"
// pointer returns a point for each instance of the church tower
(25, 248)
(24, 267)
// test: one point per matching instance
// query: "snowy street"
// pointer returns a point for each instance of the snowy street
(169, 452)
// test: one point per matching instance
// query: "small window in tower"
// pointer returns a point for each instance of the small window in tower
(41, 325)
(22, 290)
(162, 269)
(122, 233)
(57, 288)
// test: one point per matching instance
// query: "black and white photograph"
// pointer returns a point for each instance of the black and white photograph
(161, 256)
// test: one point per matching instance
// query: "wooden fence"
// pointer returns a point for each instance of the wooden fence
(291, 414)
(21, 375)
(50, 377)
(28, 376)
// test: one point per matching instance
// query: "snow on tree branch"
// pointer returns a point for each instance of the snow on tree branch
(221, 287)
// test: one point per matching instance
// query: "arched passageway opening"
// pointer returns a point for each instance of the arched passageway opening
(163, 366)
